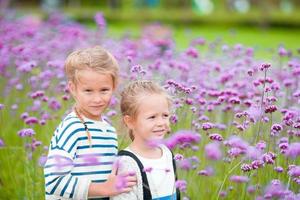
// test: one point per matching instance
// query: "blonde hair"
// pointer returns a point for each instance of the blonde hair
(130, 97)
(95, 58)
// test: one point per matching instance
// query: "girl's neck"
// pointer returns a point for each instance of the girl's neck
(81, 114)
(145, 150)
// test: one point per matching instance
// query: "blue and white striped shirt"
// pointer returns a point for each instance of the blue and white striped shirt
(72, 163)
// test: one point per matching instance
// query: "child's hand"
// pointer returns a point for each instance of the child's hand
(120, 183)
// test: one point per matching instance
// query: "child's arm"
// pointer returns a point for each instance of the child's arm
(59, 182)
(110, 187)
(128, 165)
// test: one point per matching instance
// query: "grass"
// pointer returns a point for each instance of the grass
(253, 37)
(21, 178)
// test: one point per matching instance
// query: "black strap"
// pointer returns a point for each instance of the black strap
(146, 189)
(175, 172)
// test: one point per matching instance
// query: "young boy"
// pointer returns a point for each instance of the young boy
(84, 146)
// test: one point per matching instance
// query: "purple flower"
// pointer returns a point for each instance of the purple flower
(90, 159)
(257, 164)
(148, 169)
(297, 125)
(261, 145)
(239, 179)
(275, 190)
(26, 132)
(42, 161)
(216, 137)
(24, 115)
(42, 122)
(120, 183)
(1, 143)
(54, 104)
(192, 52)
(251, 189)
(282, 52)
(207, 125)
(213, 151)
(283, 147)
(111, 113)
(60, 162)
(265, 66)
(1, 106)
(14, 107)
(278, 169)
(253, 153)
(223, 193)
(178, 157)
(189, 101)
(269, 158)
(173, 119)
(276, 127)
(246, 167)
(293, 150)
(31, 120)
(185, 164)
(181, 185)
(27, 67)
(235, 152)
(182, 137)
(237, 142)
(34, 144)
(294, 171)
(100, 20)
(270, 109)
(208, 171)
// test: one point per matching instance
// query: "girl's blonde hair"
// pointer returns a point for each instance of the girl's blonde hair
(130, 97)
(95, 58)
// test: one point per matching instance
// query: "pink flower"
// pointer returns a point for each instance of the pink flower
(213, 151)
(216, 137)
(100, 20)
(293, 150)
(239, 179)
(181, 185)
(182, 137)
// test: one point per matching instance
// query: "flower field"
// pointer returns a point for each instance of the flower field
(235, 120)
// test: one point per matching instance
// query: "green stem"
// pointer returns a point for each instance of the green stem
(261, 108)
(289, 181)
(226, 176)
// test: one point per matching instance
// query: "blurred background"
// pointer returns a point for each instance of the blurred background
(252, 22)
(217, 44)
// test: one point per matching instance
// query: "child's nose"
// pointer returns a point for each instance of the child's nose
(162, 121)
(98, 98)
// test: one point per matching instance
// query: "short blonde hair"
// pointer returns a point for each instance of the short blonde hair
(132, 93)
(95, 58)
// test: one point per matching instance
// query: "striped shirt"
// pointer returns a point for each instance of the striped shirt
(72, 163)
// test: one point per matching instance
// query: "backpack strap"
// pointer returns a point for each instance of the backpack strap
(146, 189)
(175, 172)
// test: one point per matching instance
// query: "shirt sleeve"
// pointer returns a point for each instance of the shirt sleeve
(59, 181)
(127, 164)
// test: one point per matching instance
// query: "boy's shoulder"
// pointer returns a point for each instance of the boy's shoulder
(69, 120)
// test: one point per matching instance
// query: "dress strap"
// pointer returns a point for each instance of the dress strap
(146, 189)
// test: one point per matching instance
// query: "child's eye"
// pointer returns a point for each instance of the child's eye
(104, 90)
(166, 115)
(87, 90)
(151, 117)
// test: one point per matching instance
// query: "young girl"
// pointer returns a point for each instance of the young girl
(145, 107)
(84, 146)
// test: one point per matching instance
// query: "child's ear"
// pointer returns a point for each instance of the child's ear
(71, 87)
(128, 121)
